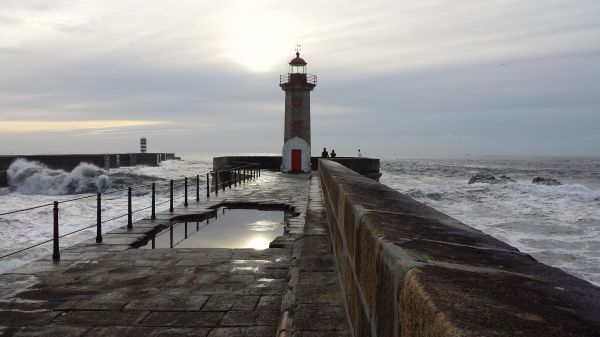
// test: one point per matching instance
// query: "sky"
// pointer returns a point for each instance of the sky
(410, 78)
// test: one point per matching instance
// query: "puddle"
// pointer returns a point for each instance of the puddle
(231, 228)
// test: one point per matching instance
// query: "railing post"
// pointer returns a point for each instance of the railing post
(185, 202)
(153, 216)
(244, 175)
(235, 177)
(223, 183)
(99, 218)
(171, 197)
(216, 183)
(230, 177)
(197, 188)
(56, 252)
(129, 212)
(208, 185)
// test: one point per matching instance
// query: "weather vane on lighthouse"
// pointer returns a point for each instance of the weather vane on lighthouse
(297, 85)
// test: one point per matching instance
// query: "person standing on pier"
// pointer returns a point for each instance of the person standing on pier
(359, 154)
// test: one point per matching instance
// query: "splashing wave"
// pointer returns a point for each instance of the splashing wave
(31, 177)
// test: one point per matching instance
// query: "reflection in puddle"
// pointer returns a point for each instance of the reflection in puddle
(232, 228)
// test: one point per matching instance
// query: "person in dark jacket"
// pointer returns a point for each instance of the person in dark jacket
(324, 154)
(333, 154)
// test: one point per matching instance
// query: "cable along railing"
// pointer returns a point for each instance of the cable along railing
(236, 175)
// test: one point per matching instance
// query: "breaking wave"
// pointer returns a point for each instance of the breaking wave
(35, 178)
(31, 177)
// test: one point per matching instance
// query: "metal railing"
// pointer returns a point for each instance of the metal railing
(237, 175)
(298, 79)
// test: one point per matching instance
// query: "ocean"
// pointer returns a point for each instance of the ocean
(558, 225)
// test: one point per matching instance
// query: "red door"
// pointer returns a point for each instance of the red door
(296, 160)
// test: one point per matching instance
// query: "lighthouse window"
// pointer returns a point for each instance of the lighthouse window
(296, 126)
(298, 69)
(296, 102)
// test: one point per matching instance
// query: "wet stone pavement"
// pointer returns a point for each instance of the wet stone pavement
(114, 289)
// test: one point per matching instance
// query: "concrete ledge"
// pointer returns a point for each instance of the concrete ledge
(409, 270)
(265, 162)
(368, 167)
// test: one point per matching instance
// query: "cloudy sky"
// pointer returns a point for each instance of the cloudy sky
(409, 78)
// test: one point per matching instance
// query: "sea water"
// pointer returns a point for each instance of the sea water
(34, 184)
(558, 225)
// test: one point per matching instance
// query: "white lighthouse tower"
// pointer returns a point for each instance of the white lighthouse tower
(297, 85)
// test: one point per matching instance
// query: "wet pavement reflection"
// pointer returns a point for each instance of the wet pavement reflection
(230, 228)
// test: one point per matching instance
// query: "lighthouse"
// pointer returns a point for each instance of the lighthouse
(297, 85)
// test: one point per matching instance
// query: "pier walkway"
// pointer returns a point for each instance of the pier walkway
(114, 289)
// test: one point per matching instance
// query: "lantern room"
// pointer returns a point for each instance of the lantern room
(297, 75)
(297, 65)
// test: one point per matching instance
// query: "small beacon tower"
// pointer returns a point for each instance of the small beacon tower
(297, 85)
(143, 145)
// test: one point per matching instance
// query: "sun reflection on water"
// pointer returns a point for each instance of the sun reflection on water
(258, 243)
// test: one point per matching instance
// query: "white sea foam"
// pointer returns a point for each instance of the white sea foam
(558, 225)
(35, 184)
(31, 177)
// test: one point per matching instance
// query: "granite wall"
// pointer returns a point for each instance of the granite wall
(409, 270)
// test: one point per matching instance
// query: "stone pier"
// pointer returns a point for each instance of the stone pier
(114, 289)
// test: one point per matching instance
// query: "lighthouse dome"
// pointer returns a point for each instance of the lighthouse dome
(297, 61)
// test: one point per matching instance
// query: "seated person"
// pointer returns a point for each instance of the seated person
(333, 154)
(324, 154)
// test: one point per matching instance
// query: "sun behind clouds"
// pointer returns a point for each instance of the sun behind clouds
(258, 38)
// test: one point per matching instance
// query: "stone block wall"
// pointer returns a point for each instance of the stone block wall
(368, 167)
(408, 270)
